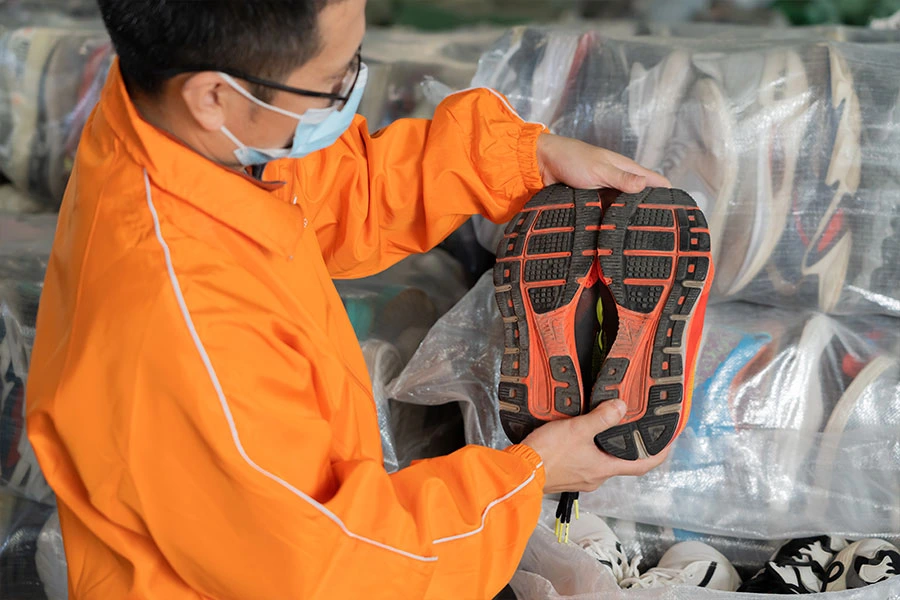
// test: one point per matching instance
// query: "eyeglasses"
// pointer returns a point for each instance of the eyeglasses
(338, 98)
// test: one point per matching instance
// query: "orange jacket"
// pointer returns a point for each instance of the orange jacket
(198, 399)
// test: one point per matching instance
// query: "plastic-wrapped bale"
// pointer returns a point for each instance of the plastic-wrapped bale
(24, 248)
(21, 522)
(794, 430)
(400, 60)
(391, 313)
(730, 32)
(790, 146)
(50, 560)
(50, 80)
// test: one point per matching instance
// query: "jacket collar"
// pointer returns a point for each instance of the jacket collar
(262, 211)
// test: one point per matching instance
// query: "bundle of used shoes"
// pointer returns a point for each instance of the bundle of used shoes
(788, 143)
(53, 67)
(800, 566)
(788, 409)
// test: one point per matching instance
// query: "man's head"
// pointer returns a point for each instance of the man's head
(169, 52)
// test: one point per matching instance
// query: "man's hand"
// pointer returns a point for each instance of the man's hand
(572, 463)
(580, 165)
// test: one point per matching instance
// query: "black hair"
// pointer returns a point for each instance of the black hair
(266, 38)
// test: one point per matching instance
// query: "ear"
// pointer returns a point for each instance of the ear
(206, 97)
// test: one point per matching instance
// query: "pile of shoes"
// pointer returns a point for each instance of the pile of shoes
(799, 566)
(789, 145)
(53, 67)
(787, 140)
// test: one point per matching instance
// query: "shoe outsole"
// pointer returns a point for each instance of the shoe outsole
(546, 258)
(655, 257)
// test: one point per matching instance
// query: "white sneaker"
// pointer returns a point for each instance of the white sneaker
(863, 563)
(702, 157)
(689, 563)
(594, 536)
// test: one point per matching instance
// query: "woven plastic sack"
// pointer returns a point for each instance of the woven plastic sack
(788, 143)
(794, 430)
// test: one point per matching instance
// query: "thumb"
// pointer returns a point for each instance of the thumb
(607, 414)
(625, 181)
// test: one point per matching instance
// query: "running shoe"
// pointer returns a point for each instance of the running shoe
(689, 563)
(545, 264)
(798, 567)
(629, 94)
(863, 563)
(809, 265)
(591, 533)
(702, 158)
(654, 272)
(654, 256)
(756, 102)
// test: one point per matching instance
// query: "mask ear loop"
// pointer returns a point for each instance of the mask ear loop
(243, 92)
(233, 138)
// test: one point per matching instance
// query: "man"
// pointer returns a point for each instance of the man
(197, 399)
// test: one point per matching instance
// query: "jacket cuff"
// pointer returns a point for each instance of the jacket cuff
(533, 459)
(527, 157)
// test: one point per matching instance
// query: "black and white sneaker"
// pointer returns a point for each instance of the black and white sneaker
(863, 563)
(798, 567)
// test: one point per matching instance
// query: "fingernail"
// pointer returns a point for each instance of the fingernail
(620, 407)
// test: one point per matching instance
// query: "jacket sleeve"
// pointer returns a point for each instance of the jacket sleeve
(253, 500)
(374, 199)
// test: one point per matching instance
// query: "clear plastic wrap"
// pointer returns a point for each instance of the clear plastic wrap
(24, 248)
(794, 430)
(21, 522)
(50, 80)
(553, 571)
(789, 143)
(52, 68)
(51, 560)
(400, 60)
(391, 313)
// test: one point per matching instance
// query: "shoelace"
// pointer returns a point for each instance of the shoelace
(653, 578)
(568, 505)
(622, 568)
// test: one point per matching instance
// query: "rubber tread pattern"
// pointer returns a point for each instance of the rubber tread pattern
(522, 262)
(556, 219)
(632, 258)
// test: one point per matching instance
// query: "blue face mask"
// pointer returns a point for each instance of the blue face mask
(317, 128)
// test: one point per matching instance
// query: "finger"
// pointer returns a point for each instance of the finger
(612, 176)
(608, 414)
(653, 178)
(637, 468)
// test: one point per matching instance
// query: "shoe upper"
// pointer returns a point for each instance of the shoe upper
(592, 534)
(689, 563)
(863, 563)
(798, 566)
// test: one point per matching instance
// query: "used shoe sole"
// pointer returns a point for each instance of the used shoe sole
(654, 254)
(545, 261)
